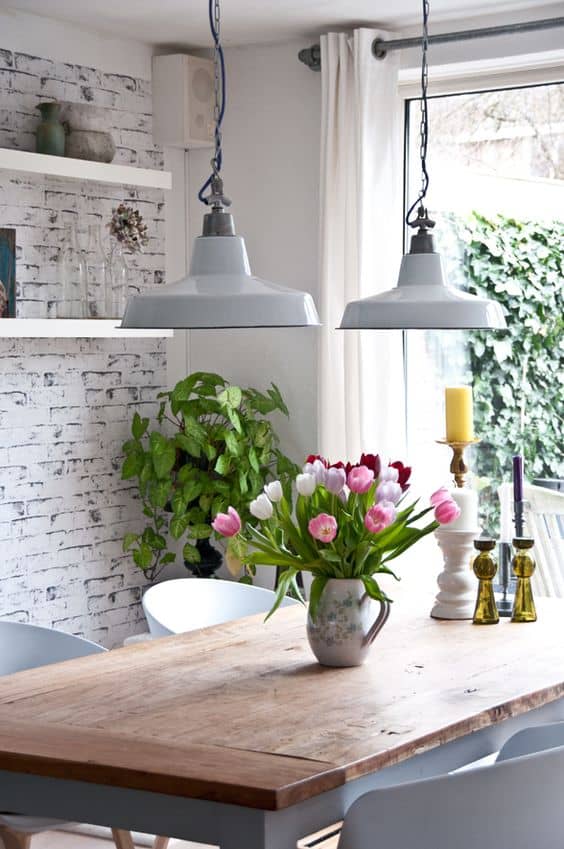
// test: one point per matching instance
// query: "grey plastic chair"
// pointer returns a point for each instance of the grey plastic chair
(25, 647)
(516, 803)
(185, 604)
(537, 738)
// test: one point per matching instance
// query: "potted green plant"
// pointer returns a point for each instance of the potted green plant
(213, 446)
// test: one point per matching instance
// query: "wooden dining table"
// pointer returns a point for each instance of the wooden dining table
(235, 736)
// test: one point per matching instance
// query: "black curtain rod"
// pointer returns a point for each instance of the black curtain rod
(311, 56)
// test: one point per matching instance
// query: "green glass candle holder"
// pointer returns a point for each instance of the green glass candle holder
(523, 567)
(485, 568)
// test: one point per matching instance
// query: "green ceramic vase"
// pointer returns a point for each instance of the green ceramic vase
(50, 134)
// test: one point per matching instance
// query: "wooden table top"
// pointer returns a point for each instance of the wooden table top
(241, 713)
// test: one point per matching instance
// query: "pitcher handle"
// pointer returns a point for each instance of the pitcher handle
(379, 623)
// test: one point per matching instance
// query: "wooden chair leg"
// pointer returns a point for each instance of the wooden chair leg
(327, 838)
(122, 839)
(14, 839)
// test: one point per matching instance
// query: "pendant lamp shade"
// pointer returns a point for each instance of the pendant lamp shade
(220, 292)
(422, 299)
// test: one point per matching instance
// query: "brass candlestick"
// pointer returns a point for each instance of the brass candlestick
(458, 466)
(523, 566)
(485, 568)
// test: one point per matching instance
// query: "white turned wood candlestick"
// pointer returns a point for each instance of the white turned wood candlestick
(458, 585)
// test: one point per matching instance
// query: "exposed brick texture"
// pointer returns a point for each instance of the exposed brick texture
(66, 405)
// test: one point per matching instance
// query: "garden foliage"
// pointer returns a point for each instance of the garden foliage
(518, 375)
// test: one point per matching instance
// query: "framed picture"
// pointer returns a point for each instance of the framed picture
(7, 273)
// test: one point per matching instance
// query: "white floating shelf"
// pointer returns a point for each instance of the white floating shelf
(81, 169)
(73, 328)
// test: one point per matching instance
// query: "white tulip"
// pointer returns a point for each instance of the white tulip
(274, 491)
(317, 469)
(388, 491)
(261, 507)
(389, 473)
(305, 484)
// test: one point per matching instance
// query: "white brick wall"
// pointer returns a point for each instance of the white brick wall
(66, 405)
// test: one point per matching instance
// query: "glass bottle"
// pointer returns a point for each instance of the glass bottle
(97, 273)
(485, 567)
(117, 285)
(523, 566)
(72, 274)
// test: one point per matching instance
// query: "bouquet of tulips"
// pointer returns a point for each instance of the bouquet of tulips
(348, 521)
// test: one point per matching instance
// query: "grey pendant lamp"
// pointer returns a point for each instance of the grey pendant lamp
(219, 291)
(422, 298)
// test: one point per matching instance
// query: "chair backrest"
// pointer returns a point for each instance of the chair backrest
(517, 803)
(27, 646)
(537, 738)
(185, 604)
(545, 518)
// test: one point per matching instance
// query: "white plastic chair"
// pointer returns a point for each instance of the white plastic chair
(516, 803)
(185, 604)
(25, 647)
(545, 519)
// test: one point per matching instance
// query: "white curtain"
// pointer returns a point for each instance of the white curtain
(361, 405)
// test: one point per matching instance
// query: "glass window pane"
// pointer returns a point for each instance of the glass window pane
(496, 163)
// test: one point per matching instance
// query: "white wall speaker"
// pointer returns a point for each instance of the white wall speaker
(183, 101)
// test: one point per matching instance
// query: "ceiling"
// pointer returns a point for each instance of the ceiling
(184, 22)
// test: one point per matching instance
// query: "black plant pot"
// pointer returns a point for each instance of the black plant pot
(210, 560)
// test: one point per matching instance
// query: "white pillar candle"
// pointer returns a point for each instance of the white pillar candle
(467, 500)
(506, 529)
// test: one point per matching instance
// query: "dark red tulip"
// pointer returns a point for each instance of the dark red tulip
(404, 473)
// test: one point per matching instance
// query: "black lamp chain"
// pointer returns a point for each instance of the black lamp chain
(216, 161)
(214, 16)
(423, 125)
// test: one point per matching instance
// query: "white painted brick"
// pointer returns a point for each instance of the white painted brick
(90, 76)
(13, 568)
(6, 58)
(17, 473)
(114, 601)
(16, 615)
(110, 583)
(35, 66)
(10, 400)
(11, 511)
(43, 506)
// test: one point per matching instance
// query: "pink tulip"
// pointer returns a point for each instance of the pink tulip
(323, 527)
(360, 479)
(379, 517)
(447, 511)
(388, 491)
(227, 524)
(439, 496)
(335, 479)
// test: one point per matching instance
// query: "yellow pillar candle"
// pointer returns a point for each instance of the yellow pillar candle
(459, 414)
